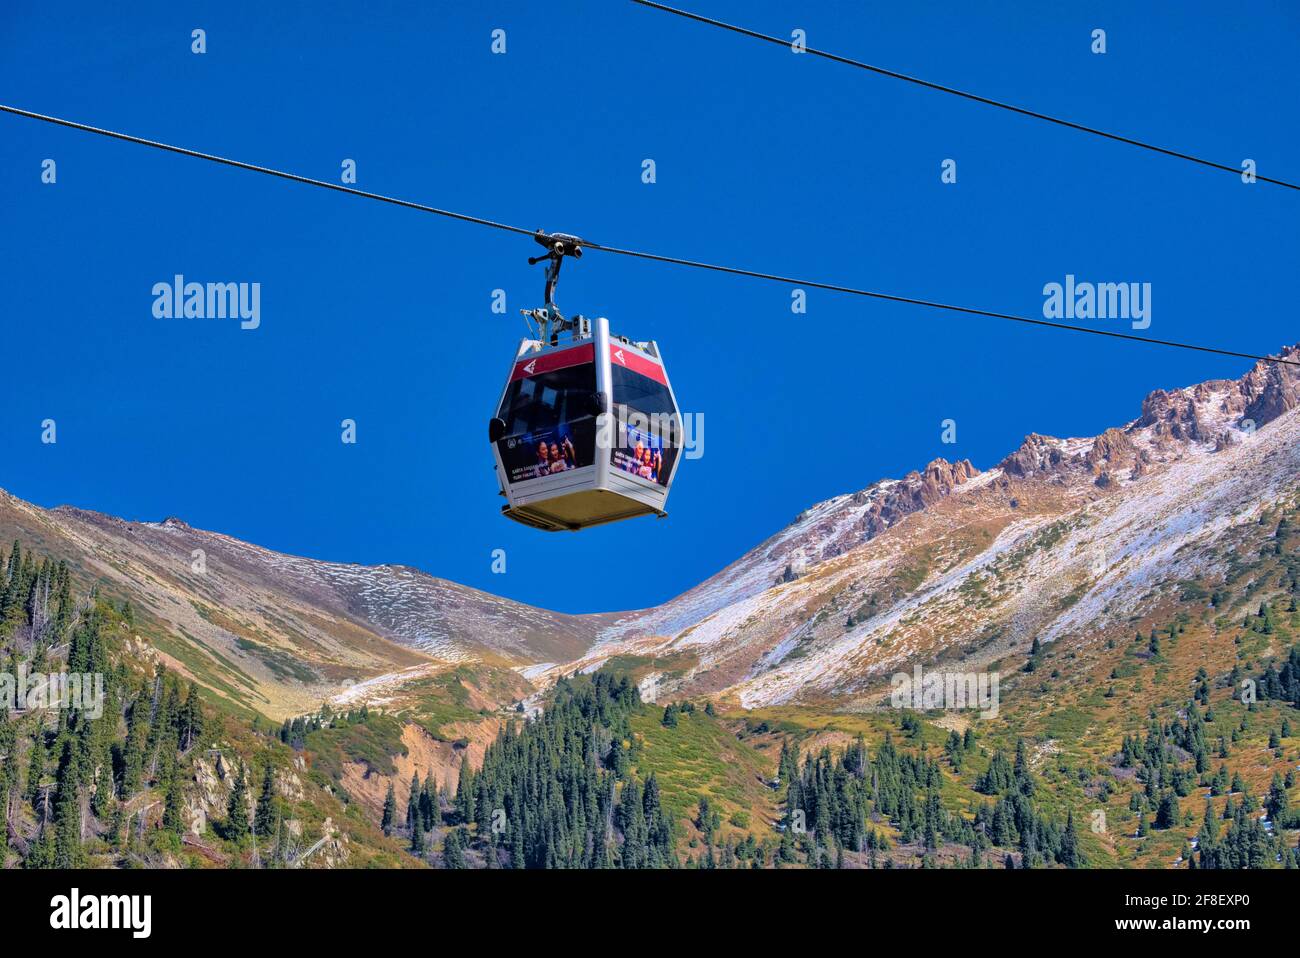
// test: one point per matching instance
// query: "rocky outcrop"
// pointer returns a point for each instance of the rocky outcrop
(1209, 412)
(940, 478)
(795, 568)
(208, 798)
(1111, 449)
(1266, 392)
(288, 784)
(1141, 465)
(913, 492)
(1271, 389)
(1175, 415)
(1037, 456)
(333, 850)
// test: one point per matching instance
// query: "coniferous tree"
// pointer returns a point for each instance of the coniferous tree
(1277, 802)
(173, 819)
(237, 808)
(453, 849)
(264, 816)
(464, 790)
(35, 765)
(390, 811)
(102, 800)
(999, 776)
(191, 729)
(413, 802)
(1167, 813)
(429, 803)
(133, 755)
(67, 810)
(417, 833)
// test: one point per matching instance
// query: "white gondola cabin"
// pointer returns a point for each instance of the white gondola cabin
(587, 430)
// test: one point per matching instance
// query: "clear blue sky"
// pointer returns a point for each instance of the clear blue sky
(765, 159)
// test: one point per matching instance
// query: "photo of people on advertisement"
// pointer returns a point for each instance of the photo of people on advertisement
(643, 454)
(547, 452)
(555, 456)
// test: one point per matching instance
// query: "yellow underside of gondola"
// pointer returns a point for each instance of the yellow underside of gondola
(591, 507)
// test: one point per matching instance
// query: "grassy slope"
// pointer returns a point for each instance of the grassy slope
(1074, 728)
(702, 757)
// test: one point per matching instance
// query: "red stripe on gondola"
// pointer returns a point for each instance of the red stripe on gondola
(552, 361)
(634, 361)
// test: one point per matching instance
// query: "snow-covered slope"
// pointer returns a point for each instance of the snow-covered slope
(824, 531)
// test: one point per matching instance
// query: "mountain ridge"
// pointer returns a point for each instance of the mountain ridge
(278, 633)
(739, 626)
(797, 615)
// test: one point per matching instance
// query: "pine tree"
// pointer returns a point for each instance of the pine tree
(413, 802)
(104, 791)
(517, 850)
(1069, 855)
(67, 810)
(1167, 813)
(237, 809)
(429, 803)
(133, 755)
(173, 819)
(453, 850)
(417, 833)
(1277, 802)
(191, 719)
(464, 790)
(390, 811)
(264, 816)
(36, 763)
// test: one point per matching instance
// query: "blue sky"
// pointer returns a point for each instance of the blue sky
(764, 159)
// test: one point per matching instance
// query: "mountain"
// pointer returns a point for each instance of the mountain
(1126, 588)
(1063, 537)
(277, 634)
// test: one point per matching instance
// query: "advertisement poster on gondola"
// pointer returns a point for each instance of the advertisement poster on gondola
(643, 453)
(548, 452)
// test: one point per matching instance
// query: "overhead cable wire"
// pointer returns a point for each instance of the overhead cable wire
(987, 101)
(638, 254)
(253, 168)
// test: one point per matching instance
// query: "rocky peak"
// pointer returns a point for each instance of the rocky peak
(1037, 456)
(1176, 414)
(1208, 412)
(887, 504)
(1199, 413)
(1111, 448)
(940, 478)
(1271, 389)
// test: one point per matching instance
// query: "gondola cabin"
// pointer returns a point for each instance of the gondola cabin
(587, 431)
